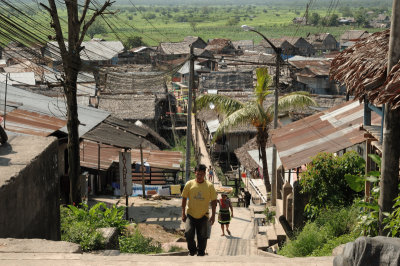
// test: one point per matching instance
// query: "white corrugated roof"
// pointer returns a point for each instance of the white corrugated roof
(23, 78)
(88, 116)
(212, 125)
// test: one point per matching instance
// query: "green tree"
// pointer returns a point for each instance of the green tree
(333, 20)
(346, 11)
(134, 41)
(233, 21)
(314, 19)
(239, 113)
(193, 25)
(361, 17)
(96, 28)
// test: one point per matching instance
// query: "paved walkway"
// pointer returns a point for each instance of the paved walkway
(241, 242)
(204, 156)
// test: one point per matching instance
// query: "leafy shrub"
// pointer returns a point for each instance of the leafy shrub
(269, 216)
(331, 228)
(308, 240)
(325, 181)
(327, 248)
(78, 225)
(81, 233)
(137, 243)
(338, 221)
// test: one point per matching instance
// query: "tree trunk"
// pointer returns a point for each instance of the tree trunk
(262, 144)
(390, 164)
(73, 136)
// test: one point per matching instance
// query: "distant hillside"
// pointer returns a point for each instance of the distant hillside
(292, 3)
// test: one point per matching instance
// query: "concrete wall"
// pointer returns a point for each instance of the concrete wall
(29, 188)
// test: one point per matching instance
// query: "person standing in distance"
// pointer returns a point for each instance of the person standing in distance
(200, 193)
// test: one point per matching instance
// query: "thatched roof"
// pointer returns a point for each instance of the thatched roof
(129, 106)
(363, 67)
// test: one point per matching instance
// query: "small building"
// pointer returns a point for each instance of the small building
(352, 36)
(287, 48)
(346, 21)
(244, 45)
(323, 42)
(301, 45)
(313, 76)
(300, 21)
(220, 46)
(173, 50)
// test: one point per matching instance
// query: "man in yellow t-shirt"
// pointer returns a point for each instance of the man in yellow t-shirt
(200, 193)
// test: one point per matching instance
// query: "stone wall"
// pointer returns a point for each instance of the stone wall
(29, 188)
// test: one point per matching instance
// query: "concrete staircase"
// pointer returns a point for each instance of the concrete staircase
(271, 235)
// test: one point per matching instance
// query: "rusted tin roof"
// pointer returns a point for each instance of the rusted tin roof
(328, 131)
(89, 155)
(159, 159)
(363, 69)
(312, 68)
(109, 154)
(32, 123)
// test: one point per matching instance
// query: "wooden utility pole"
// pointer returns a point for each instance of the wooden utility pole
(391, 130)
(77, 28)
(189, 115)
(278, 52)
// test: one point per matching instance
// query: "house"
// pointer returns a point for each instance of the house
(173, 50)
(95, 52)
(301, 45)
(300, 21)
(323, 42)
(224, 147)
(220, 46)
(382, 21)
(347, 21)
(136, 94)
(138, 55)
(313, 75)
(243, 45)
(287, 48)
(195, 41)
(352, 36)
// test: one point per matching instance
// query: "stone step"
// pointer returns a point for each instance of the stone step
(279, 207)
(132, 259)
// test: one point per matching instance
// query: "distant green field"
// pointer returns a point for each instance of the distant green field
(173, 23)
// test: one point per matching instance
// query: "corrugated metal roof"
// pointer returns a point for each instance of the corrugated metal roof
(159, 159)
(93, 50)
(329, 131)
(31, 123)
(213, 125)
(89, 155)
(19, 78)
(109, 154)
(105, 133)
(88, 116)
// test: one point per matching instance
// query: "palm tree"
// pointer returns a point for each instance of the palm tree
(238, 113)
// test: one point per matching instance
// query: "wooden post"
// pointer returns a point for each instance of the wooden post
(142, 170)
